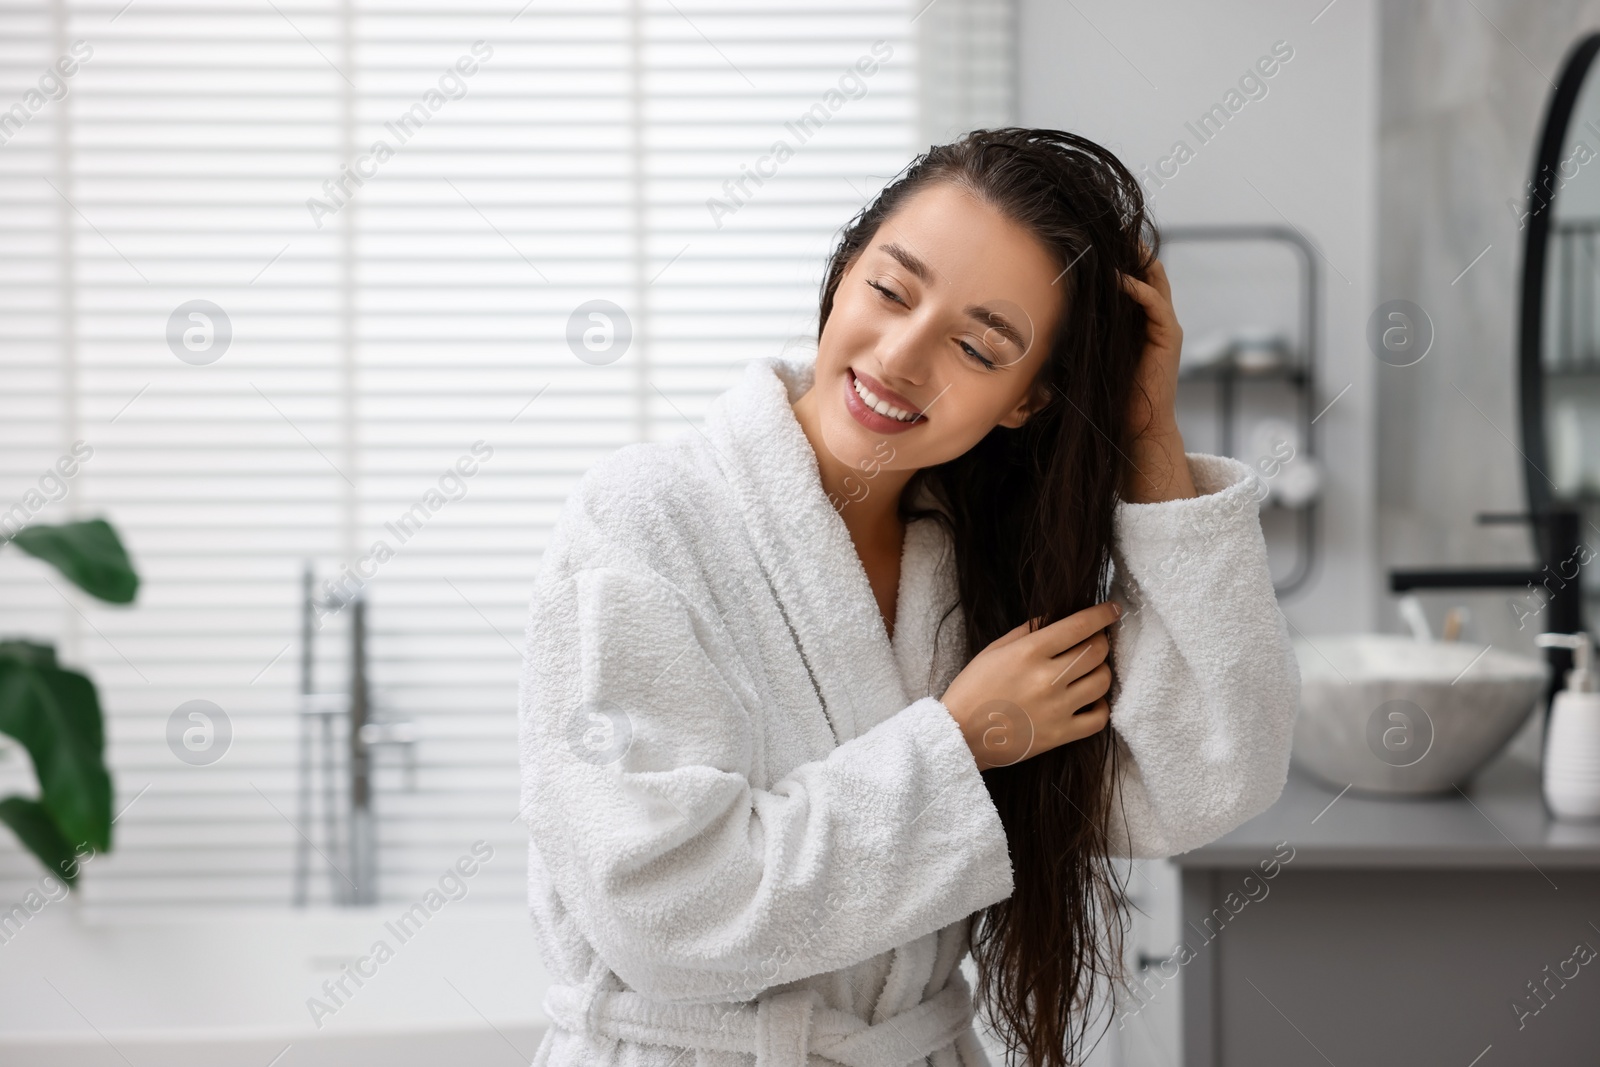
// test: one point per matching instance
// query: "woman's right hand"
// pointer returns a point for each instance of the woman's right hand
(1029, 692)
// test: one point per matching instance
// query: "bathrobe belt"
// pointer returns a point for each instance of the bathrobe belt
(780, 1030)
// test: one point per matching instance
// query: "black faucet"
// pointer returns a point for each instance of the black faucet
(1560, 575)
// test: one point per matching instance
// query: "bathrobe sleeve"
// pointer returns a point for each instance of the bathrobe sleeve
(640, 749)
(1206, 684)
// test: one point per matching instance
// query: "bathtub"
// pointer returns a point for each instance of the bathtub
(219, 988)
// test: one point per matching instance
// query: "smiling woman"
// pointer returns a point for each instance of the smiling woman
(810, 690)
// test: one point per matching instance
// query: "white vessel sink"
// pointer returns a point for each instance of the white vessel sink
(1389, 714)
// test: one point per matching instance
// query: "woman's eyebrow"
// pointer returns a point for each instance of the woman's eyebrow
(993, 320)
(910, 261)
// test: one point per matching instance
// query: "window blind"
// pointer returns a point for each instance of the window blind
(289, 269)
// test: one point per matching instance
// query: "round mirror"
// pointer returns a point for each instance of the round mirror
(1560, 328)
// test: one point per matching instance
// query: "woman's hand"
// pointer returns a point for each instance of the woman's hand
(1159, 469)
(1030, 692)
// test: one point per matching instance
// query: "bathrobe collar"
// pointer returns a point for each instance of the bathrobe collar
(805, 547)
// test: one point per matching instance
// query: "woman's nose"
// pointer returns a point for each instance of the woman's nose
(905, 354)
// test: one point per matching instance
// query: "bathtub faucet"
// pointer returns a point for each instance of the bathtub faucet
(345, 769)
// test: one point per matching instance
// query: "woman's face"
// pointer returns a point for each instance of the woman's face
(946, 317)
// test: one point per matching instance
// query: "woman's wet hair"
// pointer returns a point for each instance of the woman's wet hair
(1030, 513)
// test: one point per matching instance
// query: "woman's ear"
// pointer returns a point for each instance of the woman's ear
(1030, 404)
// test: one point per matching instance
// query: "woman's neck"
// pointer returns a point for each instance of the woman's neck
(870, 498)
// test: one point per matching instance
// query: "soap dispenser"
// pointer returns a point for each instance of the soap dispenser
(1572, 742)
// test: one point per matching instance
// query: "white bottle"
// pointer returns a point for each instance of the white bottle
(1572, 743)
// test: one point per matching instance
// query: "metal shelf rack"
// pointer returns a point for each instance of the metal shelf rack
(1299, 371)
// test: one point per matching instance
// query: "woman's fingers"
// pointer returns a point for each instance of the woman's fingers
(1088, 689)
(1076, 628)
(1009, 735)
(1093, 719)
(1157, 305)
(1156, 276)
(1079, 660)
(1020, 631)
(1074, 714)
(1159, 280)
(1044, 690)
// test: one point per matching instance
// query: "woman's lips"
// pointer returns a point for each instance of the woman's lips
(871, 419)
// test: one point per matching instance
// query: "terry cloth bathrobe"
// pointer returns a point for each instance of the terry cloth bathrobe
(756, 835)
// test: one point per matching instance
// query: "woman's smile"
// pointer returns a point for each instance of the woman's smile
(877, 407)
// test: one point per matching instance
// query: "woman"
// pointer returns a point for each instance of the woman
(815, 698)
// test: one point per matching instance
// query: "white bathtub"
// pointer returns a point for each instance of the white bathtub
(215, 989)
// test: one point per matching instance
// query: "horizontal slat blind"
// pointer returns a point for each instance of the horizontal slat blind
(38, 419)
(377, 334)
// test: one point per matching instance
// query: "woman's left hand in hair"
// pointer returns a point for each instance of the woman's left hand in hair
(1159, 471)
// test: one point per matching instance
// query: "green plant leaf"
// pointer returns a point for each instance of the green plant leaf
(29, 652)
(89, 553)
(55, 714)
(35, 828)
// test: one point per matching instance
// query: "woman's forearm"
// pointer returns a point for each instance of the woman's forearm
(1158, 470)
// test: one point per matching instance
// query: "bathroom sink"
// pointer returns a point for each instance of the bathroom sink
(1389, 714)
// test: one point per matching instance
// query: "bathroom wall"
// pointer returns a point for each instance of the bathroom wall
(1462, 94)
(1302, 154)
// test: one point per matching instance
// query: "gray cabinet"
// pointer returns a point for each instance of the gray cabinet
(1351, 930)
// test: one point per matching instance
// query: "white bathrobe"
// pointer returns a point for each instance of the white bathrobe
(756, 836)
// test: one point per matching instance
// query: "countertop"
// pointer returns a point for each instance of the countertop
(1498, 822)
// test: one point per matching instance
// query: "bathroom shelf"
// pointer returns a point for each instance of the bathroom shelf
(1210, 372)
(1298, 370)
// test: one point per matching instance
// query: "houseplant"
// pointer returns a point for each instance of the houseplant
(54, 712)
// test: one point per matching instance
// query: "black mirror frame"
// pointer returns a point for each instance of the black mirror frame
(1530, 340)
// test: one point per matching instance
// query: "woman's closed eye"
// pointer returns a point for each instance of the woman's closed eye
(977, 355)
(888, 294)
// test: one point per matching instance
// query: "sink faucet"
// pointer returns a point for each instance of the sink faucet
(1415, 618)
(1560, 575)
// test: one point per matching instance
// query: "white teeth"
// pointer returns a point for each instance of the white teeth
(882, 407)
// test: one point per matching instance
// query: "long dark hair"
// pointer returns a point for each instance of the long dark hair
(1030, 513)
